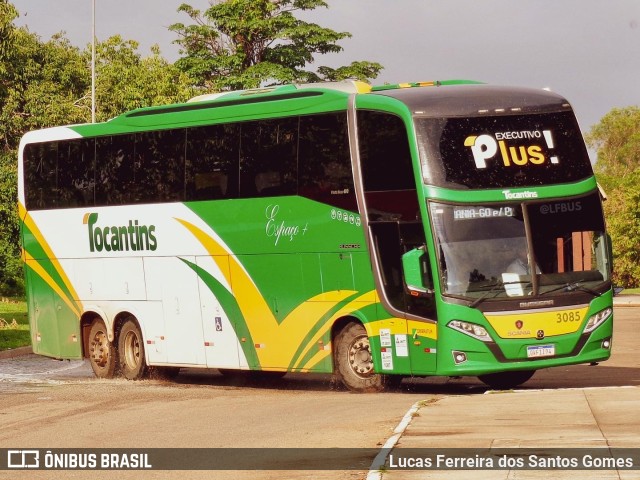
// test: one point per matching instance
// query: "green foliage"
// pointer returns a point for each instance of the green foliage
(237, 44)
(8, 14)
(127, 81)
(617, 140)
(11, 276)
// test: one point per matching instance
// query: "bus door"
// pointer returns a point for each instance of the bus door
(395, 227)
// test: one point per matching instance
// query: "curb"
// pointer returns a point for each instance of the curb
(375, 470)
(15, 352)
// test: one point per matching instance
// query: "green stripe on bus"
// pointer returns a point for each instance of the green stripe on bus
(231, 309)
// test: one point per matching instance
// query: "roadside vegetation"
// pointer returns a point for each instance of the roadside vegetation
(14, 326)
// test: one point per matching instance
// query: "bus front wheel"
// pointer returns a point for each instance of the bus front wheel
(506, 380)
(102, 353)
(354, 361)
(131, 351)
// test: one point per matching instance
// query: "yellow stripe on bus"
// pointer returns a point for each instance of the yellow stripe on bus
(317, 358)
(39, 269)
(363, 300)
(217, 251)
(35, 231)
(280, 341)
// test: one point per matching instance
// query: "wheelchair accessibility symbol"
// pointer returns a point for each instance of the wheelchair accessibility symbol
(218, 324)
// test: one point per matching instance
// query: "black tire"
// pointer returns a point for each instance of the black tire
(131, 351)
(102, 353)
(506, 380)
(353, 360)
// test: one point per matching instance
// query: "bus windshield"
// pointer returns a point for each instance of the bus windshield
(491, 251)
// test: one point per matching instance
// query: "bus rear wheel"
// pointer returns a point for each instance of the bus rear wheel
(102, 353)
(354, 361)
(131, 351)
(506, 380)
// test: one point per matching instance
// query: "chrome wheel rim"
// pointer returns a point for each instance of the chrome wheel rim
(131, 350)
(99, 349)
(360, 357)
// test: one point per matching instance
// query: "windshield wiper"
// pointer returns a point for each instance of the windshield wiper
(496, 288)
(572, 287)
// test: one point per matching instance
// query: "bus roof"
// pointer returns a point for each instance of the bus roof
(474, 99)
(470, 98)
(321, 92)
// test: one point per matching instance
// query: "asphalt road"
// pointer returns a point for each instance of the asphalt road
(50, 404)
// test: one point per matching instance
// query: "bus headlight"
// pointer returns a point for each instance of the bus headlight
(471, 329)
(597, 319)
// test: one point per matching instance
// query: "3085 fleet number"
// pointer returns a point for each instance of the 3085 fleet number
(566, 317)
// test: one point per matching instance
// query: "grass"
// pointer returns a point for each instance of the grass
(630, 291)
(14, 324)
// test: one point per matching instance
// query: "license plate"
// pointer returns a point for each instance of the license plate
(535, 351)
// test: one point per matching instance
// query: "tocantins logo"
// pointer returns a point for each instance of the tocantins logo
(116, 238)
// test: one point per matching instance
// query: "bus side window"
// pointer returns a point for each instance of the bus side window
(268, 158)
(40, 175)
(387, 169)
(159, 166)
(115, 178)
(75, 173)
(325, 173)
(212, 162)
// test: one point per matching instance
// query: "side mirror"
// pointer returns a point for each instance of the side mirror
(417, 274)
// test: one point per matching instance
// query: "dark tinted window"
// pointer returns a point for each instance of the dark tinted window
(40, 170)
(268, 158)
(387, 171)
(75, 173)
(324, 161)
(299, 155)
(159, 166)
(384, 152)
(505, 151)
(212, 162)
(115, 171)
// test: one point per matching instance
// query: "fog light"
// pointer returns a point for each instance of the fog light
(459, 357)
(606, 343)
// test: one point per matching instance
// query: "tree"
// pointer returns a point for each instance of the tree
(126, 80)
(44, 84)
(8, 14)
(238, 44)
(617, 140)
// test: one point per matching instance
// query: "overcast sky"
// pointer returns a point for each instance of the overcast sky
(587, 50)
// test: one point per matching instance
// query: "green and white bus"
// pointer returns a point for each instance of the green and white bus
(445, 228)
